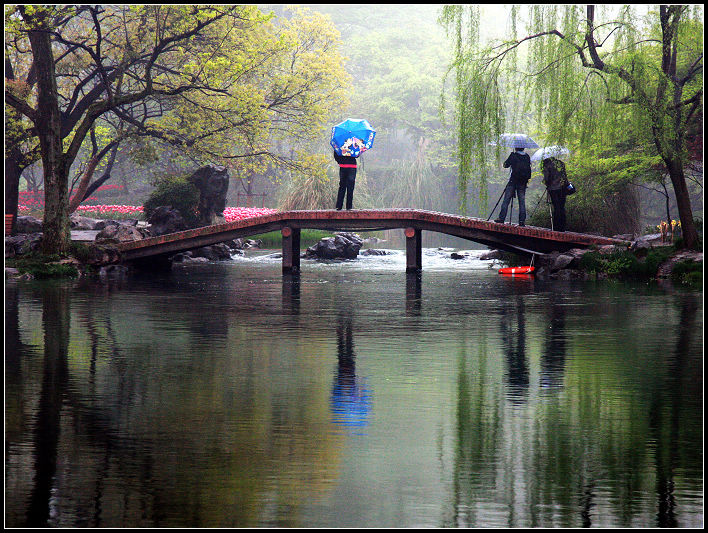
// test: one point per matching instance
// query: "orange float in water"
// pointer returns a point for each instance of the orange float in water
(517, 270)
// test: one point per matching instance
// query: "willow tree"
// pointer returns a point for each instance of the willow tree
(588, 82)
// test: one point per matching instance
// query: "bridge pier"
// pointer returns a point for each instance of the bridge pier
(414, 250)
(291, 249)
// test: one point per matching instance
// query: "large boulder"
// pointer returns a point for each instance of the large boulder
(213, 184)
(119, 233)
(375, 251)
(101, 253)
(81, 223)
(165, 219)
(647, 242)
(28, 224)
(341, 246)
(22, 244)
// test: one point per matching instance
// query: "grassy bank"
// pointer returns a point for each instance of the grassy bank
(42, 266)
(308, 237)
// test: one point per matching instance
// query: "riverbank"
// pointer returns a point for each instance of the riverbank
(646, 258)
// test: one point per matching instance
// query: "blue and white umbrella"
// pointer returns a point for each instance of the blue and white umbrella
(516, 140)
(352, 137)
(550, 151)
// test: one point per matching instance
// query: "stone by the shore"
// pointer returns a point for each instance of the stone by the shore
(120, 233)
(28, 224)
(21, 244)
(666, 268)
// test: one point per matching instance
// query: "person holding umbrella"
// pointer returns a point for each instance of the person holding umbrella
(520, 164)
(347, 179)
(349, 140)
(556, 181)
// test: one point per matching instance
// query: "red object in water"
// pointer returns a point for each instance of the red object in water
(517, 270)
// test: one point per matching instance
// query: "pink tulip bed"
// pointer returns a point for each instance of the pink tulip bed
(231, 214)
(30, 203)
(101, 211)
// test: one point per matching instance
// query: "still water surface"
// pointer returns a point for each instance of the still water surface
(226, 394)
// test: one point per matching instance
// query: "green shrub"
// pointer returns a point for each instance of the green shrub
(80, 251)
(42, 266)
(178, 193)
(687, 272)
(625, 264)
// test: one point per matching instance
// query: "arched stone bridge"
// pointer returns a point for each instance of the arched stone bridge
(507, 237)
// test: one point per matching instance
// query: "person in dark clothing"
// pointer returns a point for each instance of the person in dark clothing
(347, 177)
(520, 164)
(556, 180)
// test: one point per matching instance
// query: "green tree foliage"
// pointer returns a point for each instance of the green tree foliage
(214, 82)
(592, 78)
(397, 61)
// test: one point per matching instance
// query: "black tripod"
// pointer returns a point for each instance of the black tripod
(511, 206)
(548, 201)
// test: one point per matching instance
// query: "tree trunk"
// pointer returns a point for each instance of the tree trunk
(683, 203)
(57, 237)
(13, 171)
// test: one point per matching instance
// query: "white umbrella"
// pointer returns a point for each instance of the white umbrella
(550, 151)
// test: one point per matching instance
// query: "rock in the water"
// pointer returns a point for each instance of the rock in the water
(375, 251)
(341, 246)
(492, 254)
(214, 252)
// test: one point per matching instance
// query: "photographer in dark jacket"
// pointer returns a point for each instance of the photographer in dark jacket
(556, 180)
(347, 177)
(520, 164)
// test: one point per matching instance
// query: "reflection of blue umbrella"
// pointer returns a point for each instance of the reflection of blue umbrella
(516, 140)
(352, 137)
(550, 151)
(351, 403)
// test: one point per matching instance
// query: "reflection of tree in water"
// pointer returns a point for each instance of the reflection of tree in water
(351, 401)
(479, 432)
(665, 411)
(553, 356)
(55, 320)
(514, 339)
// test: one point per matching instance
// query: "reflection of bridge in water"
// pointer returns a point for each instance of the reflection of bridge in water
(507, 237)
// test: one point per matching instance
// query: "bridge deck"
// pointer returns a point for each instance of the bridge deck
(503, 236)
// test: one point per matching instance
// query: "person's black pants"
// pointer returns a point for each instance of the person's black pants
(347, 177)
(558, 201)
